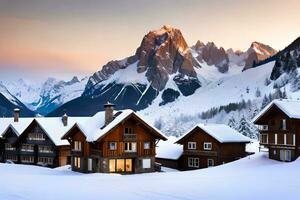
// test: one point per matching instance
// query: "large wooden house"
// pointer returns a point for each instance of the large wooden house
(279, 127)
(208, 145)
(113, 142)
(36, 141)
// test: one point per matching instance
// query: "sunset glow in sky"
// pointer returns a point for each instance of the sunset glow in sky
(61, 38)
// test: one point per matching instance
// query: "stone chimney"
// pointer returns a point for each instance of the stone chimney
(64, 119)
(109, 112)
(16, 114)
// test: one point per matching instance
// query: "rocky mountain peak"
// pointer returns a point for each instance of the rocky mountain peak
(258, 52)
(161, 53)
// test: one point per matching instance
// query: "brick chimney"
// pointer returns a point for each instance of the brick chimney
(109, 112)
(16, 114)
(64, 119)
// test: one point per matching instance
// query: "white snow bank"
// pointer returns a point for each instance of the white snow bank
(246, 179)
(169, 150)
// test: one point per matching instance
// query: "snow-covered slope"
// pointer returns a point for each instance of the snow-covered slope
(232, 87)
(247, 179)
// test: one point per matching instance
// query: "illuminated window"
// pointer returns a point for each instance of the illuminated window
(128, 165)
(77, 163)
(77, 146)
(120, 165)
(112, 165)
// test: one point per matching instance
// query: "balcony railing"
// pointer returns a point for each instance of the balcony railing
(129, 136)
(263, 127)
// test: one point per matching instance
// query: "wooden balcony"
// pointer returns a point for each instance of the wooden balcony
(129, 137)
(200, 153)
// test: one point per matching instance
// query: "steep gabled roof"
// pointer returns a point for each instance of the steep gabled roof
(290, 107)
(94, 128)
(53, 127)
(221, 132)
(17, 127)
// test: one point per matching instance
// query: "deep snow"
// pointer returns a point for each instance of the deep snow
(254, 177)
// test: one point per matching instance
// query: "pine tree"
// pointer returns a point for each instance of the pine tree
(265, 102)
(232, 123)
(257, 92)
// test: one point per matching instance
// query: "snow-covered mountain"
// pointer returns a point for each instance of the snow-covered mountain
(163, 69)
(46, 96)
(8, 103)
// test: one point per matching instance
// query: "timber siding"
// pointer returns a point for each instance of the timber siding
(41, 152)
(281, 141)
(219, 153)
(98, 157)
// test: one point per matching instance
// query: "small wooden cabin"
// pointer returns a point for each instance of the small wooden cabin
(208, 145)
(279, 127)
(113, 142)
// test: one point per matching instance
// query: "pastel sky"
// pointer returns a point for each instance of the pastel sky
(61, 38)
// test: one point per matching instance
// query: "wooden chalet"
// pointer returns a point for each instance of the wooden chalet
(113, 142)
(36, 141)
(208, 145)
(279, 127)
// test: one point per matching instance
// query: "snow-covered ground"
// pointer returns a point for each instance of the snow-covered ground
(254, 177)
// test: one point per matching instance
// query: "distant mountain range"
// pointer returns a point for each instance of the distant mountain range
(166, 75)
(44, 97)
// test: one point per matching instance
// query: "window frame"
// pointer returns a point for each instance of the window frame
(206, 144)
(147, 147)
(212, 161)
(146, 163)
(192, 145)
(115, 146)
(193, 162)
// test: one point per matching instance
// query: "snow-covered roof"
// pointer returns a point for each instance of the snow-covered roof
(55, 129)
(53, 126)
(18, 127)
(168, 149)
(290, 107)
(94, 127)
(221, 132)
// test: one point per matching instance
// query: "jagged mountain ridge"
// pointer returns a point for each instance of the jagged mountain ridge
(8, 103)
(164, 68)
(47, 96)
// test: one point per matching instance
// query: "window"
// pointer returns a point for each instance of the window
(146, 163)
(146, 145)
(193, 162)
(128, 131)
(45, 160)
(112, 146)
(36, 136)
(27, 148)
(112, 165)
(294, 139)
(192, 145)
(283, 124)
(210, 162)
(284, 139)
(274, 152)
(207, 146)
(128, 165)
(9, 147)
(45, 149)
(130, 147)
(27, 159)
(285, 155)
(120, 165)
(275, 138)
(77, 146)
(264, 138)
(90, 164)
(77, 162)
(11, 157)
